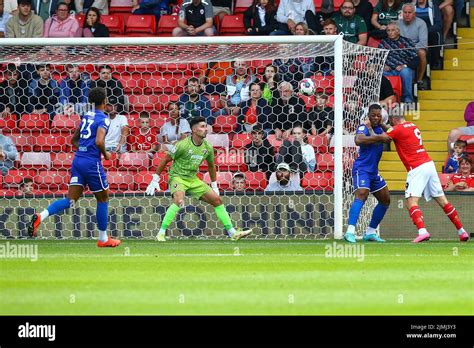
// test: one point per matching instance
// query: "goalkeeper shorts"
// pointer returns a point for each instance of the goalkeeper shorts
(194, 187)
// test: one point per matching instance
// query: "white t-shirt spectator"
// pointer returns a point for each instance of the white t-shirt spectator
(169, 130)
(112, 138)
(309, 156)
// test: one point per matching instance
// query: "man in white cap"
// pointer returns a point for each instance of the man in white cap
(284, 182)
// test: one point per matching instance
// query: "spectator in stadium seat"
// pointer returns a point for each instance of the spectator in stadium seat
(294, 70)
(25, 24)
(352, 26)
(175, 129)
(447, 10)
(26, 187)
(259, 18)
(291, 12)
(44, 92)
(414, 29)
(431, 14)
(62, 24)
(385, 11)
(239, 182)
(299, 155)
(8, 153)
(321, 117)
(401, 60)
(192, 103)
(116, 138)
(195, 19)
(270, 80)
(83, 5)
(253, 111)
(8, 9)
(452, 165)
(74, 89)
(455, 133)
(283, 180)
(114, 88)
(151, 7)
(221, 8)
(237, 88)
(288, 110)
(144, 138)
(93, 27)
(364, 9)
(14, 97)
(464, 180)
(259, 154)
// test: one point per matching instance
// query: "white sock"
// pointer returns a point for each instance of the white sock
(422, 231)
(161, 231)
(351, 229)
(371, 230)
(103, 236)
(44, 214)
(231, 232)
(461, 230)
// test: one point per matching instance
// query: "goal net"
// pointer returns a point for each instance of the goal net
(282, 113)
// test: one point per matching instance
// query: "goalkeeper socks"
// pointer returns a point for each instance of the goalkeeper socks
(377, 215)
(102, 215)
(162, 231)
(44, 214)
(452, 214)
(417, 217)
(169, 216)
(224, 217)
(56, 207)
(354, 213)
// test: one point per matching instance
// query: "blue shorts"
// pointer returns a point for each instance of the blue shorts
(370, 181)
(89, 172)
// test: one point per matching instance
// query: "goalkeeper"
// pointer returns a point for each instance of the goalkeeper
(187, 156)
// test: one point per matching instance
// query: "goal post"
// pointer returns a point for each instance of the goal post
(154, 62)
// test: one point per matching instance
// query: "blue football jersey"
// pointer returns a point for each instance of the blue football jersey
(90, 123)
(369, 155)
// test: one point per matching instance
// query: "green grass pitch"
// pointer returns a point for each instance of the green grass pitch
(254, 277)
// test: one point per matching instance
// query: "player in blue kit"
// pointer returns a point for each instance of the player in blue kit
(87, 169)
(365, 175)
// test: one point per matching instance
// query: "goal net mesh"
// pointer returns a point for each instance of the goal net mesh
(268, 106)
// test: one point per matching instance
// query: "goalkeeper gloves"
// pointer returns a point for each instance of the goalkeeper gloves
(153, 185)
(214, 187)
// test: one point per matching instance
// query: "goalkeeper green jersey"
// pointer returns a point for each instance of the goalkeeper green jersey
(187, 157)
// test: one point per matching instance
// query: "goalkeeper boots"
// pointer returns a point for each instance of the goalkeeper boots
(372, 237)
(350, 237)
(241, 234)
(160, 237)
(111, 243)
(421, 238)
(34, 224)
(464, 237)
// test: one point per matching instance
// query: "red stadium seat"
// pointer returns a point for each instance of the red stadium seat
(256, 180)
(120, 181)
(132, 83)
(224, 124)
(215, 100)
(134, 161)
(223, 179)
(66, 122)
(36, 160)
(34, 122)
(23, 142)
(52, 179)
(62, 160)
(309, 101)
(231, 161)
(157, 159)
(141, 25)
(324, 84)
(14, 177)
(337, 4)
(259, 65)
(113, 10)
(143, 178)
(51, 142)
(319, 142)
(318, 181)
(232, 25)
(373, 42)
(81, 18)
(114, 22)
(242, 5)
(241, 140)
(166, 25)
(325, 161)
(276, 143)
(148, 103)
(396, 83)
(158, 83)
(8, 124)
(110, 163)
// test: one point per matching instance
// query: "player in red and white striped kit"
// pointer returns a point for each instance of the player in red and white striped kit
(422, 178)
